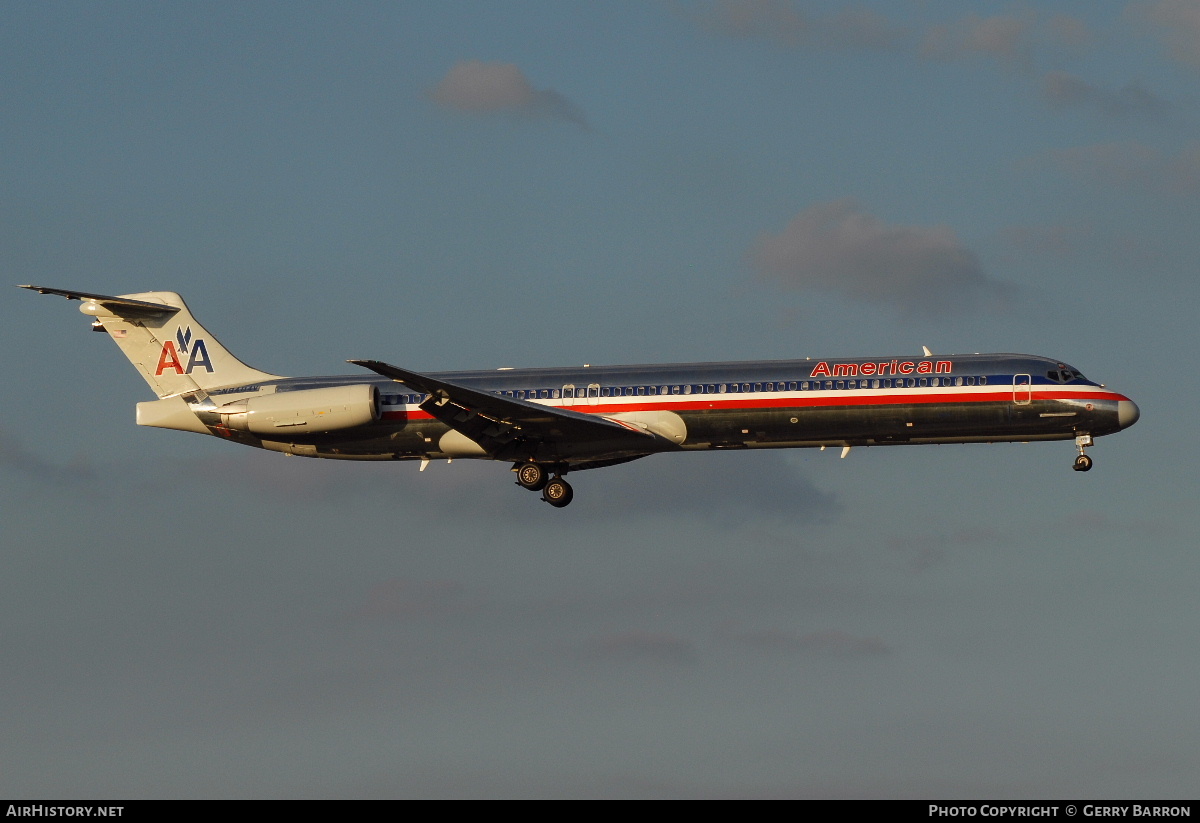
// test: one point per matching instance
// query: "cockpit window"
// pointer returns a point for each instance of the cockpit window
(1064, 374)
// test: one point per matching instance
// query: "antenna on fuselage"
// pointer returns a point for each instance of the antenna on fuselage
(928, 353)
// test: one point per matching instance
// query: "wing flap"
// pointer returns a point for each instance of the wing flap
(507, 428)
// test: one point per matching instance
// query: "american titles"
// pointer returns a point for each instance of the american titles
(823, 369)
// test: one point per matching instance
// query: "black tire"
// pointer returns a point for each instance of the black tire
(1083, 463)
(558, 493)
(532, 476)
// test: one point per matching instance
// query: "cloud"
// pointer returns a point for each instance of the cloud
(1064, 90)
(476, 87)
(918, 553)
(1079, 241)
(1005, 38)
(1134, 165)
(1009, 40)
(640, 646)
(828, 643)
(401, 598)
(785, 24)
(837, 248)
(727, 488)
(1067, 33)
(1178, 24)
(14, 456)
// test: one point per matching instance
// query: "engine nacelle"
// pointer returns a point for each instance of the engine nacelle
(306, 411)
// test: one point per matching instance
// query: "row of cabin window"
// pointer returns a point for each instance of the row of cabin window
(714, 388)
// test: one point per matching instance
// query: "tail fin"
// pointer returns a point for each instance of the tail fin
(159, 335)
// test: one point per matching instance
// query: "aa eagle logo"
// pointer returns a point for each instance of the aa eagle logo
(195, 350)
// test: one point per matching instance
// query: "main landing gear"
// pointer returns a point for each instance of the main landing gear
(558, 493)
(535, 477)
(1082, 462)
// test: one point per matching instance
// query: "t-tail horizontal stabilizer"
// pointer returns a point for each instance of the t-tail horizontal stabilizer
(120, 306)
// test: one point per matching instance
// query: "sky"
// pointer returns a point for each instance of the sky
(461, 185)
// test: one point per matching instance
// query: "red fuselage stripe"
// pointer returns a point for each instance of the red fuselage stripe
(793, 402)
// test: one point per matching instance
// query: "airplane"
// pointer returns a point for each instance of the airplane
(549, 421)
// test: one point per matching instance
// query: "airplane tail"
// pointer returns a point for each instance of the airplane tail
(159, 335)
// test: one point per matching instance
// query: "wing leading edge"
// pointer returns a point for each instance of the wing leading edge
(511, 429)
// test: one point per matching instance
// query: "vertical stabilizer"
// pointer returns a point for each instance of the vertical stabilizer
(159, 335)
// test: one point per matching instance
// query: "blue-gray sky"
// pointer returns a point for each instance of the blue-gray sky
(474, 185)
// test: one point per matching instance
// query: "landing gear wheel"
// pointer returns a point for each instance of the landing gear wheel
(1082, 462)
(558, 493)
(532, 476)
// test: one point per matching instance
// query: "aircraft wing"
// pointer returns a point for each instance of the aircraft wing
(118, 305)
(507, 428)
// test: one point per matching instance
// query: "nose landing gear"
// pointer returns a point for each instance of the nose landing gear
(1082, 462)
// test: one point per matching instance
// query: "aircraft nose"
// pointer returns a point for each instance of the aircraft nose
(1127, 413)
